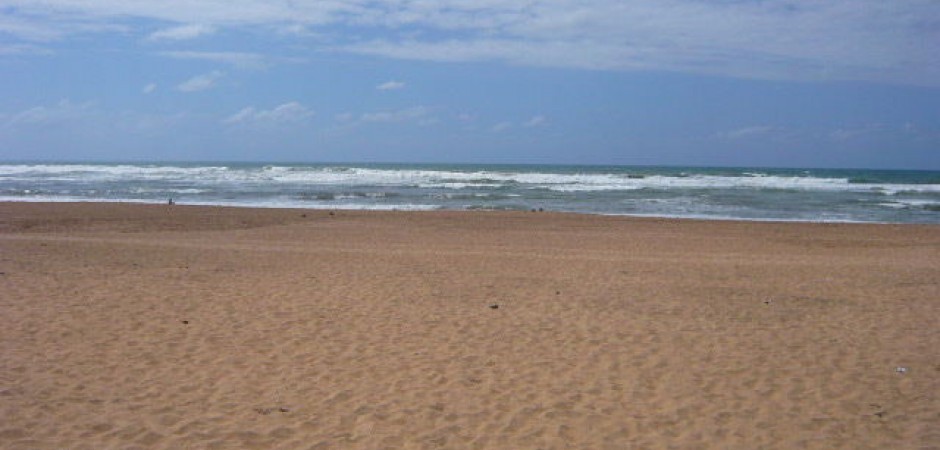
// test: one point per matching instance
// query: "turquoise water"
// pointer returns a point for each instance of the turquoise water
(693, 192)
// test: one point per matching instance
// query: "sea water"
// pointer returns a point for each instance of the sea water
(692, 192)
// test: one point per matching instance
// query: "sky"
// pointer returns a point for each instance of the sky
(788, 83)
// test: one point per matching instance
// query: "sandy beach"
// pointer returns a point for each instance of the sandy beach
(171, 327)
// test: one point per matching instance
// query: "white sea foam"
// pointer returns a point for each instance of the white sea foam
(167, 190)
(73, 199)
(568, 182)
(699, 193)
(444, 179)
(910, 203)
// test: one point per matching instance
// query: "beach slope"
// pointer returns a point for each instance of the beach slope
(157, 326)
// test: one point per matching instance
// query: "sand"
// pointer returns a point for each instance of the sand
(156, 326)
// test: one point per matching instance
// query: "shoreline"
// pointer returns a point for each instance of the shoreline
(393, 209)
(156, 326)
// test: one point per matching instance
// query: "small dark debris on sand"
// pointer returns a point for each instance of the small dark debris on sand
(185, 322)
(266, 411)
(494, 306)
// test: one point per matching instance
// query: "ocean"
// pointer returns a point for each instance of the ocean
(811, 195)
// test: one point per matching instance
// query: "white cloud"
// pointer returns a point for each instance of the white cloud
(28, 28)
(873, 40)
(802, 40)
(64, 110)
(416, 115)
(849, 133)
(294, 29)
(201, 82)
(246, 114)
(51, 27)
(535, 121)
(291, 112)
(846, 134)
(240, 60)
(402, 115)
(861, 134)
(182, 32)
(23, 49)
(500, 127)
(149, 89)
(391, 86)
(747, 132)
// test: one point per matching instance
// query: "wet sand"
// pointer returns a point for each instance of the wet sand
(156, 326)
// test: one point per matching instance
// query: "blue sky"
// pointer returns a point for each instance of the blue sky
(798, 83)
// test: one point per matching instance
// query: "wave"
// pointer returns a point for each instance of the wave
(124, 171)
(327, 195)
(276, 175)
(928, 205)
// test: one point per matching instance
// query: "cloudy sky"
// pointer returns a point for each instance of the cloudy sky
(805, 83)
